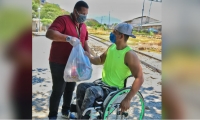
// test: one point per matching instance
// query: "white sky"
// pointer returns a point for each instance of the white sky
(120, 9)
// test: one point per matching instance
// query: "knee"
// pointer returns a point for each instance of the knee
(90, 90)
(95, 91)
(81, 88)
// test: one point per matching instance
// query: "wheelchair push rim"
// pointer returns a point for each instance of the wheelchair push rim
(126, 90)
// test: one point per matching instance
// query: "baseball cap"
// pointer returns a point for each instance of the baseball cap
(125, 28)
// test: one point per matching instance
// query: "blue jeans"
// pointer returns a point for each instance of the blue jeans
(60, 87)
(86, 95)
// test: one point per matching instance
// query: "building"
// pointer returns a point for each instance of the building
(155, 25)
(147, 22)
(35, 25)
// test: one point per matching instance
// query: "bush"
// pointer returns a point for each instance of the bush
(151, 33)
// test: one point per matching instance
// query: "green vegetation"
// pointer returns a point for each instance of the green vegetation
(48, 11)
(91, 22)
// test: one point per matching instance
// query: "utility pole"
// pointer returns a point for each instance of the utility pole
(142, 15)
(109, 20)
(102, 19)
(151, 4)
(39, 19)
(149, 11)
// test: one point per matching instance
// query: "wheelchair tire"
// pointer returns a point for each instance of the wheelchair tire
(136, 110)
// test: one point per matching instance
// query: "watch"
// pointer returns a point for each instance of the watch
(68, 38)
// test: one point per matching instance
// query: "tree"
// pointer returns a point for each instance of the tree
(35, 6)
(36, 1)
(47, 11)
(50, 11)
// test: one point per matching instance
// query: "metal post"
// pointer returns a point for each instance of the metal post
(142, 15)
(39, 19)
(109, 20)
(101, 19)
(149, 11)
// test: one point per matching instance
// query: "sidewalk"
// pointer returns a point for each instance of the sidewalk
(41, 78)
(39, 33)
(41, 91)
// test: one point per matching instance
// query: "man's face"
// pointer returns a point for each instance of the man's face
(83, 11)
(117, 34)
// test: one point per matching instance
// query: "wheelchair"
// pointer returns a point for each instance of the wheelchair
(109, 108)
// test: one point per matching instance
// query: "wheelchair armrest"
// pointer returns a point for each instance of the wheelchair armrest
(126, 80)
(129, 76)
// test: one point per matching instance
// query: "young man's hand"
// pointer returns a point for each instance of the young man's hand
(125, 105)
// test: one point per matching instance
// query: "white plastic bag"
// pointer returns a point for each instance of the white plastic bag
(78, 66)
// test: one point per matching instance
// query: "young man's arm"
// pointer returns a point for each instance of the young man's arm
(98, 60)
(132, 61)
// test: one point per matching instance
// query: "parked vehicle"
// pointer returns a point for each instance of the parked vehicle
(153, 30)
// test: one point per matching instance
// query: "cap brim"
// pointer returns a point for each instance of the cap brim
(133, 36)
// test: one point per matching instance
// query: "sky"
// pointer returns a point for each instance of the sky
(120, 10)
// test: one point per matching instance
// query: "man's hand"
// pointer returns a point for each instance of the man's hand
(125, 105)
(73, 41)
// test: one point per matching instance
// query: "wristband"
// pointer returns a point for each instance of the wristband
(68, 38)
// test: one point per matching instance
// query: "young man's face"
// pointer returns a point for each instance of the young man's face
(118, 35)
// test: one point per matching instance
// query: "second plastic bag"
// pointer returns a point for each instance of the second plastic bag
(78, 67)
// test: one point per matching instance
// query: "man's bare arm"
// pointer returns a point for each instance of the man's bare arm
(56, 36)
(133, 63)
(98, 60)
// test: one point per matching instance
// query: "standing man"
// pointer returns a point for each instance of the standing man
(66, 31)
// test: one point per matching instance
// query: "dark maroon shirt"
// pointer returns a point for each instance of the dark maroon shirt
(60, 51)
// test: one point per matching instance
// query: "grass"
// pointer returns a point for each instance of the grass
(143, 38)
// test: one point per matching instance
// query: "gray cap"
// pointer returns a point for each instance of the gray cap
(125, 28)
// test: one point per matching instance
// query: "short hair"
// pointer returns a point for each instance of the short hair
(80, 4)
(126, 37)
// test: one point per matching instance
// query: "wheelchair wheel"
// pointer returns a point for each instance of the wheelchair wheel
(135, 112)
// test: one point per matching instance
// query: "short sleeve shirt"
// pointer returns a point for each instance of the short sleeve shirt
(60, 51)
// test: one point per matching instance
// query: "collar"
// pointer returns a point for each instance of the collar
(73, 19)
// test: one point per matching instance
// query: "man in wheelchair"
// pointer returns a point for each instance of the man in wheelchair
(119, 61)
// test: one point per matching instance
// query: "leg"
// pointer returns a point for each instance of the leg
(57, 89)
(67, 97)
(91, 94)
(80, 93)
